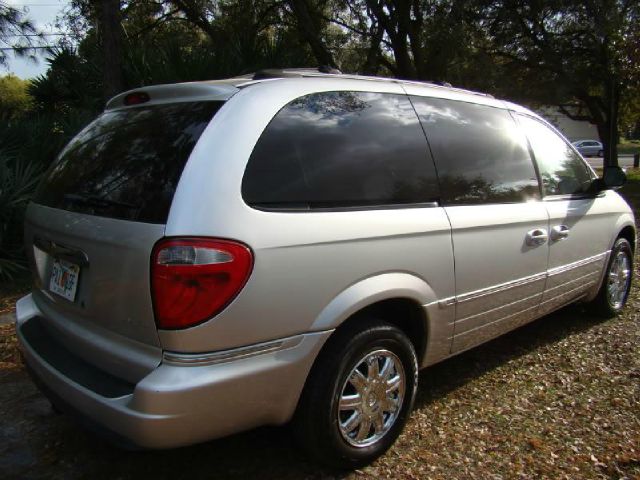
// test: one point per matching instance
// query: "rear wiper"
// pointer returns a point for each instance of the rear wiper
(96, 201)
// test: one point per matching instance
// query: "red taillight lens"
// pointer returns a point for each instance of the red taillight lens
(192, 279)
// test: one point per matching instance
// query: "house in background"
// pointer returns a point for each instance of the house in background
(572, 129)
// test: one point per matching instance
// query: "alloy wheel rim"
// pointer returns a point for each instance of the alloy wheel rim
(618, 280)
(371, 398)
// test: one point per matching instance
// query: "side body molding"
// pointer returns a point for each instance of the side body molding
(438, 318)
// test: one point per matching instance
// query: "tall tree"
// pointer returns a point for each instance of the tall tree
(15, 100)
(413, 39)
(571, 51)
(17, 32)
(311, 24)
(110, 31)
(306, 16)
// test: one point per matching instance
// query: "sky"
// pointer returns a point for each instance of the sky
(43, 14)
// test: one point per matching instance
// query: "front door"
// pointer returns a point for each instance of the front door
(491, 195)
(580, 224)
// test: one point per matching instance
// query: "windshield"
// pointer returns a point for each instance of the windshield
(126, 164)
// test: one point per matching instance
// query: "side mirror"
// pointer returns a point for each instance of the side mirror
(613, 177)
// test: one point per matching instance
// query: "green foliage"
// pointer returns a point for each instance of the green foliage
(15, 100)
(170, 60)
(72, 82)
(578, 52)
(629, 147)
(581, 52)
(16, 32)
(18, 180)
(28, 144)
(630, 115)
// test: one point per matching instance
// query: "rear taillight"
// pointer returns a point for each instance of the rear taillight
(192, 279)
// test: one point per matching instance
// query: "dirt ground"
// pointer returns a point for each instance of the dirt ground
(559, 398)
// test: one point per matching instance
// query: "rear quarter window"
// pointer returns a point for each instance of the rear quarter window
(126, 164)
(341, 149)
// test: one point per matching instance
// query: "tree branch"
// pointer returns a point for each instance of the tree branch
(573, 116)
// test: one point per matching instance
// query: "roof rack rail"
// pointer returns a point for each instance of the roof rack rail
(293, 72)
(327, 71)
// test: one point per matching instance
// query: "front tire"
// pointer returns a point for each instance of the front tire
(358, 395)
(616, 284)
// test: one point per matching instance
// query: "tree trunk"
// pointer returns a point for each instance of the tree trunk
(608, 129)
(310, 31)
(398, 37)
(609, 143)
(111, 36)
(635, 131)
(194, 14)
(371, 63)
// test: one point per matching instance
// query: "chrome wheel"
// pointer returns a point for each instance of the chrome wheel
(371, 398)
(618, 280)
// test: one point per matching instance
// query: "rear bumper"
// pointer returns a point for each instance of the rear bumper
(180, 402)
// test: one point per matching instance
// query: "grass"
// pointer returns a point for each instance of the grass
(558, 399)
(629, 147)
(631, 190)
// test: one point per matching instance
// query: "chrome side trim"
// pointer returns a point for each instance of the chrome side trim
(497, 321)
(575, 196)
(579, 279)
(501, 307)
(445, 302)
(465, 297)
(223, 356)
(573, 294)
(578, 264)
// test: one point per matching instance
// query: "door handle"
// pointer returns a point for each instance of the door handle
(559, 232)
(537, 236)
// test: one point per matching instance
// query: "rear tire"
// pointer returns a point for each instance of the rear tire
(358, 395)
(600, 153)
(616, 284)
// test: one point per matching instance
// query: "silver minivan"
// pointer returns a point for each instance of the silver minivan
(293, 246)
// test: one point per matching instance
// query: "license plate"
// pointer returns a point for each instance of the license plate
(64, 279)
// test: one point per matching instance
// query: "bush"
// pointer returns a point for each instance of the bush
(28, 145)
(18, 180)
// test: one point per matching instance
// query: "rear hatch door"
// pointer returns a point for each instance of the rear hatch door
(94, 221)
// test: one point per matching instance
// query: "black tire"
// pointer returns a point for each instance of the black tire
(602, 303)
(316, 423)
(600, 153)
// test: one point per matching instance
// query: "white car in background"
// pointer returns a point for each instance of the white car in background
(589, 148)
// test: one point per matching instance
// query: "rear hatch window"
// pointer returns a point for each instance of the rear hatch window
(126, 164)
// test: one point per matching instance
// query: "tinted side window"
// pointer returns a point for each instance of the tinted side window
(480, 154)
(562, 170)
(126, 164)
(341, 149)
